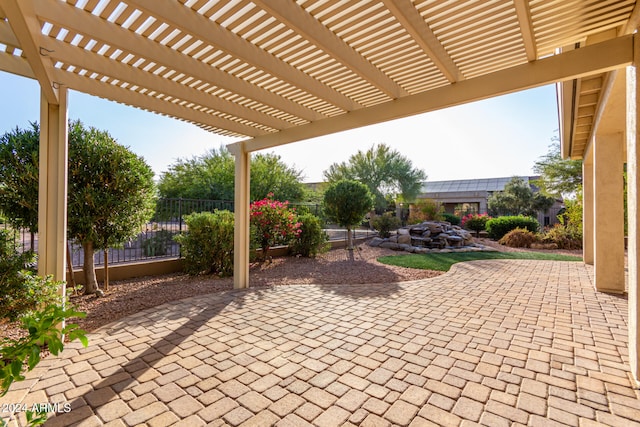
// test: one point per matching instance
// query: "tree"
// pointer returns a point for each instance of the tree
(558, 177)
(111, 194)
(212, 175)
(387, 173)
(347, 202)
(19, 177)
(518, 198)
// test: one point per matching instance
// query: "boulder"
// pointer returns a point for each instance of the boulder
(434, 227)
(389, 245)
(404, 239)
(417, 231)
(376, 241)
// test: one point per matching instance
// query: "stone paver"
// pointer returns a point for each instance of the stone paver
(491, 342)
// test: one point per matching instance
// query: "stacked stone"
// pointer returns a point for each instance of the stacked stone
(429, 236)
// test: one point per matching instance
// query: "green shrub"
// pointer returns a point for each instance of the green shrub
(425, 210)
(564, 237)
(498, 227)
(475, 222)
(312, 239)
(158, 244)
(451, 218)
(207, 246)
(21, 290)
(518, 238)
(384, 223)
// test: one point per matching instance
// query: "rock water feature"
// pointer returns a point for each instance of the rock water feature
(430, 236)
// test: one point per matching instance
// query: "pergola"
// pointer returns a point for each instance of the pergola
(276, 72)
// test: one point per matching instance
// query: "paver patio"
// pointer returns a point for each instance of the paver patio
(491, 342)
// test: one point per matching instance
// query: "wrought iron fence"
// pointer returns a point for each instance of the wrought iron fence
(156, 238)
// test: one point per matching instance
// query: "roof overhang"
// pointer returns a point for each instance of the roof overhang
(274, 75)
(595, 103)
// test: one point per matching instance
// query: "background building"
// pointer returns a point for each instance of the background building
(464, 196)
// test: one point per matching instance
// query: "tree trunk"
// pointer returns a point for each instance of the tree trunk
(89, 268)
(106, 270)
(70, 280)
(349, 239)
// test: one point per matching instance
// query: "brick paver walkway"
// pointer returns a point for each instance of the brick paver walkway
(492, 342)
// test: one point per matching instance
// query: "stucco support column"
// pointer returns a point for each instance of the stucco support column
(608, 212)
(241, 217)
(52, 192)
(633, 211)
(587, 208)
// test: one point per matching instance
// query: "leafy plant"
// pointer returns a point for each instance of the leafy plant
(21, 290)
(572, 216)
(451, 218)
(498, 227)
(475, 222)
(426, 210)
(518, 238)
(208, 245)
(111, 194)
(347, 202)
(158, 244)
(558, 176)
(387, 173)
(564, 237)
(385, 223)
(273, 222)
(19, 176)
(111, 189)
(211, 176)
(43, 332)
(518, 198)
(312, 239)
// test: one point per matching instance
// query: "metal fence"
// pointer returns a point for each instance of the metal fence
(156, 238)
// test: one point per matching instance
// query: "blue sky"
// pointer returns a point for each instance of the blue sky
(497, 137)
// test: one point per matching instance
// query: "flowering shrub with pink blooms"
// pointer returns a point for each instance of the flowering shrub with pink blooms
(475, 222)
(273, 223)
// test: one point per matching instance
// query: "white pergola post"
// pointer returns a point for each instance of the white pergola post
(241, 217)
(52, 195)
(633, 209)
(608, 212)
(587, 208)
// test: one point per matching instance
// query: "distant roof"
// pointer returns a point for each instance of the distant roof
(483, 184)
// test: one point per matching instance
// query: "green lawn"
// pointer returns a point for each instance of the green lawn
(444, 261)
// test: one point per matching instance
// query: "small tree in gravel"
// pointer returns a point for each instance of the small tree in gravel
(111, 194)
(111, 189)
(347, 202)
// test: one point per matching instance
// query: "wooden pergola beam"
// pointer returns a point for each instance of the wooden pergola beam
(597, 58)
